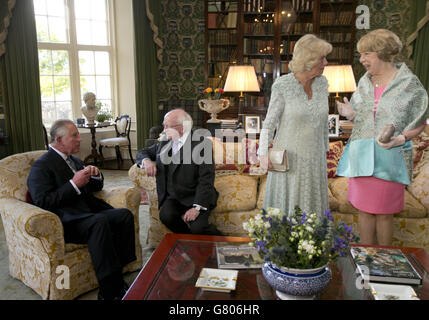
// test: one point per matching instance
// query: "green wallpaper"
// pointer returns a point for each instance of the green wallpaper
(181, 73)
(394, 15)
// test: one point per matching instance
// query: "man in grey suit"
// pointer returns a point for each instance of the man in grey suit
(183, 166)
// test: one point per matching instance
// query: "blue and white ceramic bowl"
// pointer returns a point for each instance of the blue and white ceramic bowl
(296, 283)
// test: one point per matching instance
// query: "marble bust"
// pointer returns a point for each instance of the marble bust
(89, 110)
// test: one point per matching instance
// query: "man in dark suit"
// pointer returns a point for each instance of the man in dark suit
(184, 170)
(60, 183)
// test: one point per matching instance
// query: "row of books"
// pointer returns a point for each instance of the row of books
(254, 46)
(336, 36)
(217, 6)
(269, 5)
(259, 5)
(336, 18)
(286, 47)
(262, 65)
(220, 54)
(259, 28)
(339, 53)
(222, 37)
(297, 28)
(221, 20)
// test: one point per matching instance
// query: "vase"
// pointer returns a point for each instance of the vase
(213, 107)
(296, 284)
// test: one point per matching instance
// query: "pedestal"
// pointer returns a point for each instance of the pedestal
(212, 127)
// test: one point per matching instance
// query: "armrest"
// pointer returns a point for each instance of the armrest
(148, 184)
(31, 221)
(121, 197)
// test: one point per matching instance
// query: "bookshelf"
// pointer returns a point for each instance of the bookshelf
(263, 33)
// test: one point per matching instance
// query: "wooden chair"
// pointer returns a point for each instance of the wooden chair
(122, 127)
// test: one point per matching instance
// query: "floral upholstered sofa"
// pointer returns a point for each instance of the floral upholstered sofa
(35, 238)
(241, 194)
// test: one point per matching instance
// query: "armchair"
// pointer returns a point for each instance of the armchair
(35, 238)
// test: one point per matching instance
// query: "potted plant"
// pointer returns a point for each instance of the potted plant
(103, 115)
(297, 250)
(213, 104)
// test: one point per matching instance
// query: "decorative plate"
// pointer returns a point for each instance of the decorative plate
(219, 280)
(392, 292)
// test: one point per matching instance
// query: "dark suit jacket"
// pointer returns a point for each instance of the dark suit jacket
(193, 181)
(50, 188)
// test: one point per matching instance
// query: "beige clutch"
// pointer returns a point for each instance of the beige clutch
(279, 160)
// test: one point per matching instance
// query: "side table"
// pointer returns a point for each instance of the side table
(94, 153)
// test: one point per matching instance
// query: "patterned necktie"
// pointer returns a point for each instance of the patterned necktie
(71, 164)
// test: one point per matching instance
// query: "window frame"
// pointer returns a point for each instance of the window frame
(73, 48)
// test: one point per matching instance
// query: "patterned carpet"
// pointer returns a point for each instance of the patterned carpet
(12, 289)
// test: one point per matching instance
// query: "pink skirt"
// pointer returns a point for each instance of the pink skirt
(376, 196)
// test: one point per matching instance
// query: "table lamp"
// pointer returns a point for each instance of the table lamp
(241, 79)
(340, 79)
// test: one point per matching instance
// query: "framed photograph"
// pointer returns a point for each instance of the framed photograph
(252, 124)
(334, 125)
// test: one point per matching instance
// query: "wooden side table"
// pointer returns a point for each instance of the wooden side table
(94, 153)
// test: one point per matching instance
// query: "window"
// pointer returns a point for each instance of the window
(75, 55)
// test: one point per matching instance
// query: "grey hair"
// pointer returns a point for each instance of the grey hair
(59, 129)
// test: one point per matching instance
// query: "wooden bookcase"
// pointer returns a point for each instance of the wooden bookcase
(264, 32)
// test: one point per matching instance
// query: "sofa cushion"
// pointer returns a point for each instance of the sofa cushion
(420, 187)
(333, 157)
(236, 193)
(340, 186)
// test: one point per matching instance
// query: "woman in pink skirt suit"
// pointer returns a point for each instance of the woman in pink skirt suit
(378, 172)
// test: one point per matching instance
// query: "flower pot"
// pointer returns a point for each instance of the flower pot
(296, 284)
(213, 107)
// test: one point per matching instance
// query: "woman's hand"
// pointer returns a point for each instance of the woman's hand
(345, 109)
(265, 163)
(395, 141)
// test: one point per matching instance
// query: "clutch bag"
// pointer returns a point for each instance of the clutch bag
(279, 160)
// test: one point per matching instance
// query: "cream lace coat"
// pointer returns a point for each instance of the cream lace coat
(302, 129)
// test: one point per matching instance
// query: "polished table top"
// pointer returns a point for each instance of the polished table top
(173, 269)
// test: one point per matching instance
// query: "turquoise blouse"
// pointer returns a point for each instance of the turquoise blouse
(405, 104)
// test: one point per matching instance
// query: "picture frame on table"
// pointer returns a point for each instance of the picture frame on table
(334, 125)
(252, 124)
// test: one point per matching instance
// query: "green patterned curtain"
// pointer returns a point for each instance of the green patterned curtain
(147, 54)
(19, 71)
(6, 7)
(419, 41)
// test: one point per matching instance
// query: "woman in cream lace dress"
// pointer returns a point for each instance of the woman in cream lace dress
(298, 116)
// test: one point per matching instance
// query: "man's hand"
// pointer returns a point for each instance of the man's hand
(395, 141)
(150, 167)
(81, 178)
(191, 215)
(345, 109)
(93, 171)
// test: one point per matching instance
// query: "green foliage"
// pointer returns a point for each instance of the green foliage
(103, 115)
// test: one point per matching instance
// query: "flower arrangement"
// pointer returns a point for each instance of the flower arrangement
(212, 95)
(304, 241)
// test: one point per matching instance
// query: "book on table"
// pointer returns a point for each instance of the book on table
(237, 256)
(384, 265)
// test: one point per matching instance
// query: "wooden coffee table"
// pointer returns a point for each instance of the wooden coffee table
(173, 269)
